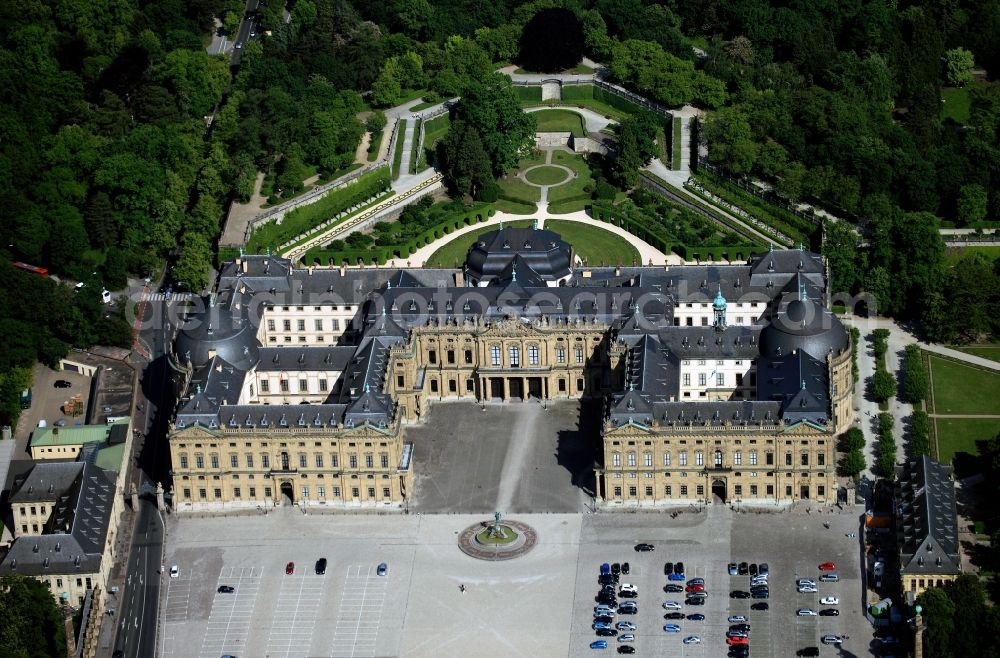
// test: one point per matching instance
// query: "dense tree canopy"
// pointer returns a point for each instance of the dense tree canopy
(31, 625)
(552, 41)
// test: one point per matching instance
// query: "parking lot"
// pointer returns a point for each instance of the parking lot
(47, 403)
(537, 605)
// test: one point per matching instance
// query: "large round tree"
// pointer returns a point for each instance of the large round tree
(552, 41)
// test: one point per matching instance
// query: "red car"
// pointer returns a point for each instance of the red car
(695, 588)
(828, 566)
(732, 641)
(290, 568)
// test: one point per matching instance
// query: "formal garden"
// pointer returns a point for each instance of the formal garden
(963, 407)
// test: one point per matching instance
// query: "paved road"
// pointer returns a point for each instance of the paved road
(136, 631)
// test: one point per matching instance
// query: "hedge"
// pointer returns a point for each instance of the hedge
(916, 382)
(381, 254)
(528, 93)
(577, 92)
(617, 102)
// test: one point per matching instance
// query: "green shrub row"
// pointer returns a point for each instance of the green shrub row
(916, 382)
(616, 101)
(886, 447)
(380, 254)
(305, 218)
(855, 339)
(920, 434)
(506, 196)
(852, 442)
(787, 222)
(528, 93)
(648, 230)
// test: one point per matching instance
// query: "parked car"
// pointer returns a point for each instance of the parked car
(61, 383)
(321, 566)
(679, 567)
(737, 640)
(830, 600)
(672, 605)
(606, 632)
(226, 589)
(625, 609)
(808, 651)
(670, 587)
(736, 619)
(672, 628)
(763, 569)
(760, 594)
(692, 639)
(739, 651)
(829, 612)
(733, 569)
(760, 605)
(743, 569)
(668, 568)
(806, 612)
(626, 637)
(383, 569)
(805, 581)
(740, 627)
(629, 594)
(599, 644)
(829, 578)
(695, 588)
(175, 571)
(289, 568)
(607, 579)
(676, 576)
(601, 624)
(739, 594)
(628, 587)
(605, 619)
(696, 617)
(697, 595)
(695, 601)
(732, 633)
(626, 569)
(831, 639)
(644, 548)
(753, 569)
(626, 648)
(828, 566)
(674, 615)
(616, 568)
(807, 589)
(605, 568)
(625, 626)
(604, 610)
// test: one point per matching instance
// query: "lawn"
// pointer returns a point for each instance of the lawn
(570, 196)
(594, 244)
(962, 389)
(434, 130)
(955, 105)
(515, 188)
(453, 253)
(546, 175)
(397, 156)
(989, 351)
(957, 435)
(954, 254)
(676, 146)
(560, 121)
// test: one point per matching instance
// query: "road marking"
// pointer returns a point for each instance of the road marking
(228, 623)
(294, 616)
(360, 613)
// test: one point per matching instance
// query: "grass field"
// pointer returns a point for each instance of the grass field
(573, 188)
(452, 254)
(545, 175)
(516, 207)
(397, 156)
(594, 244)
(675, 145)
(961, 389)
(590, 103)
(957, 435)
(560, 121)
(954, 254)
(415, 153)
(955, 105)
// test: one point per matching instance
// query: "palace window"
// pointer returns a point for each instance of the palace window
(451, 356)
(184, 464)
(468, 356)
(369, 461)
(616, 459)
(683, 458)
(667, 490)
(322, 385)
(684, 490)
(319, 461)
(333, 460)
(385, 461)
(821, 459)
(270, 325)
(265, 461)
(353, 461)
(804, 458)
(631, 459)
(687, 379)
(303, 462)
(283, 384)
(321, 492)
(234, 461)
(199, 461)
(287, 324)
(666, 459)
(265, 386)
(514, 354)
(560, 355)
(737, 458)
(753, 457)
(720, 379)
(495, 355)
(699, 458)
(701, 489)
(579, 355)
(647, 458)
(533, 355)
(302, 325)
(718, 458)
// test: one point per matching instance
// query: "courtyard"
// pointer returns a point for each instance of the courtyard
(537, 605)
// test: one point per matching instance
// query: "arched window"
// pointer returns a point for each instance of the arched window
(514, 354)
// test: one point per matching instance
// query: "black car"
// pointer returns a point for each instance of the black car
(226, 589)
(762, 569)
(321, 566)
(670, 587)
(760, 594)
(740, 627)
(743, 569)
(753, 569)
(616, 568)
(739, 651)
(739, 594)
(625, 648)
(808, 651)
(607, 632)
(61, 383)
(829, 612)
(628, 594)
(668, 568)
(607, 579)
(626, 569)
(761, 605)
(610, 589)
(606, 619)
(674, 615)
(679, 567)
(623, 610)
(695, 601)
(644, 548)
(607, 600)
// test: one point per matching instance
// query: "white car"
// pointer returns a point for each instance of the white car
(805, 581)
(759, 581)
(692, 639)
(626, 637)
(737, 619)
(831, 639)
(807, 589)
(175, 571)
(629, 587)
(625, 626)
(830, 600)
(672, 605)
(602, 611)
(806, 612)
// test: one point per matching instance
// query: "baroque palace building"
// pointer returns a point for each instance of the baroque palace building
(296, 384)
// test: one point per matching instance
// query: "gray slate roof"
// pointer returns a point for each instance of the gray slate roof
(928, 518)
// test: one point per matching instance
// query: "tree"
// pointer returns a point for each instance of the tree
(387, 88)
(30, 621)
(852, 439)
(551, 41)
(853, 463)
(938, 614)
(493, 110)
(971, 204)
(636, 147)
(916, 383)
(883, 385)
(920, 428)
(840, 246)
(464, 161)
(958, 66)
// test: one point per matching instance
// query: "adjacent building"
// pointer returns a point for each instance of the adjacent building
(927, 525)
(725, 380)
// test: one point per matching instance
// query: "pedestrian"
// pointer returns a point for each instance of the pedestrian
(461, 588)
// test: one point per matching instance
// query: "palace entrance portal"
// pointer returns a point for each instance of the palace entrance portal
(287, 494)
(719, 491)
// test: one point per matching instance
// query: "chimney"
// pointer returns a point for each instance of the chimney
(459, 279)
(311, 267)
(244, 266)
(343, 269)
